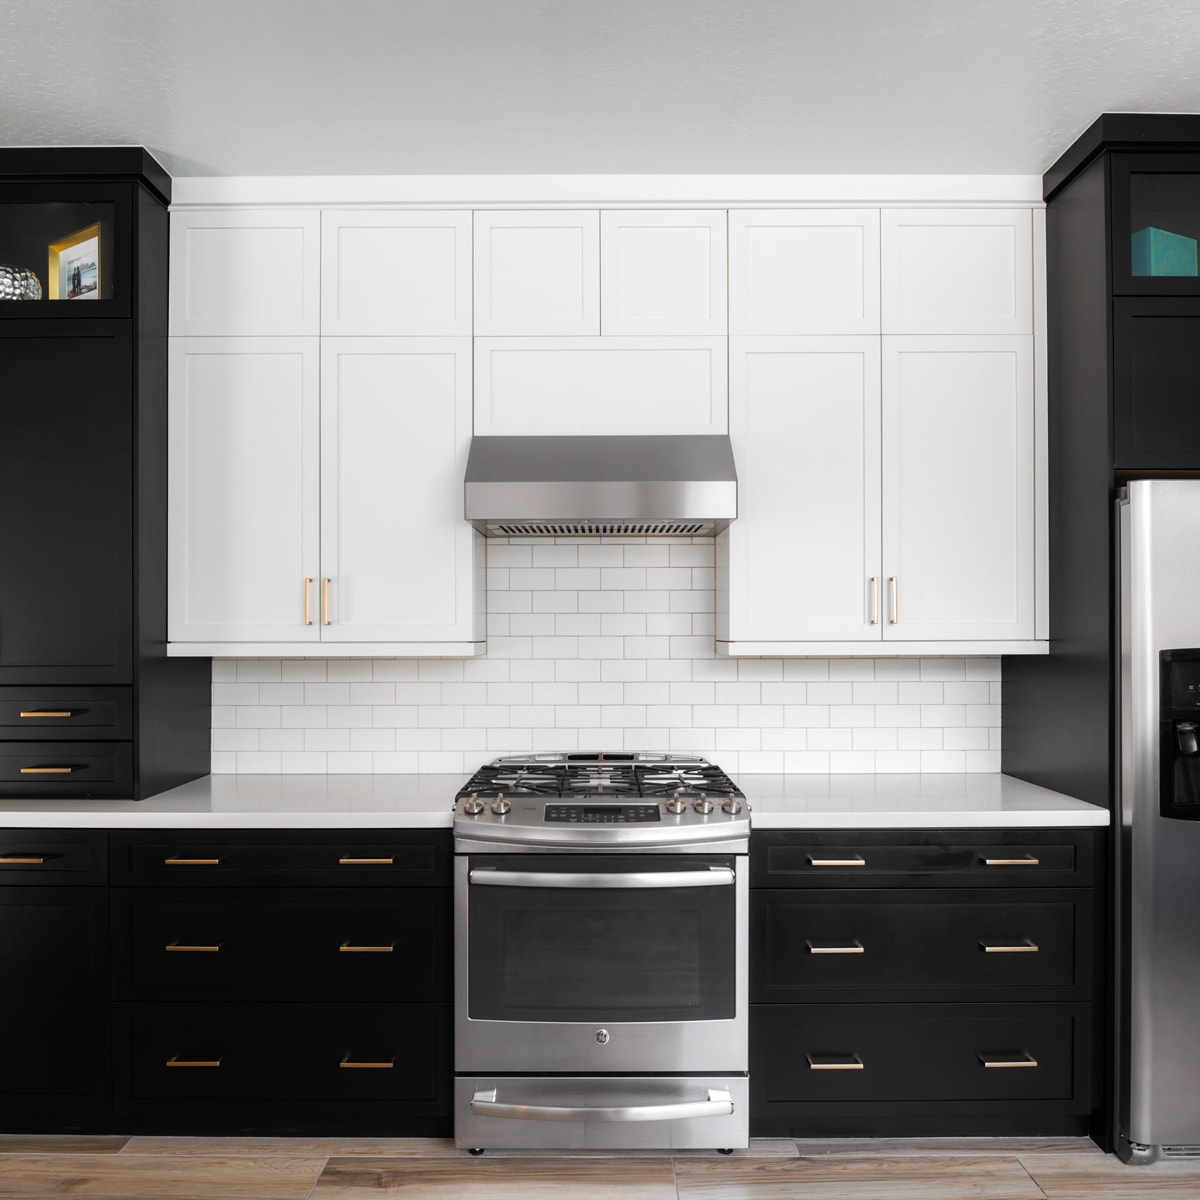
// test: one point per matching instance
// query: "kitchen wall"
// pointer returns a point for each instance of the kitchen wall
(605, 644)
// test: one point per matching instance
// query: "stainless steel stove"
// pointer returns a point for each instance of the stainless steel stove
(601, 909)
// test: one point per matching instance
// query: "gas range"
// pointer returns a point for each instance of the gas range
(600, 801)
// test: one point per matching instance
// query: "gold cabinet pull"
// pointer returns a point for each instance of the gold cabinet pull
(1027, 861)
(33, 714)
(191, 862)
(366, 862)
(346, 948)
(325, 602)
(834, 1062)
(346, 1065)
(1025, 947)
(181, 948)
(308, 601)
(176, 1061)
(47, 770)
(874, 599)
(856, 861)
(1008, 1060)
(854, 947)
(19, 860)
(894, 584)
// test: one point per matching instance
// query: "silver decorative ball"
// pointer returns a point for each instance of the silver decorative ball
(19, 283)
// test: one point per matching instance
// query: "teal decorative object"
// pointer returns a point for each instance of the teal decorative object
(1159, 252)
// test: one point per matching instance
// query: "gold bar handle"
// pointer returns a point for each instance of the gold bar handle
(17, 860)
(856, 861)
(180, 948)
(308, 601)
(1008, 1060)
(30, 715)
(834, 1062)
(1027, 861)
(894, 585)
(176, 1061)
(366, 862)
(191, 862)
(347, 1065)
(325, 602)
(874, 599)
(346, 948)
(855, 947)
(1025, 947)
(47, 770)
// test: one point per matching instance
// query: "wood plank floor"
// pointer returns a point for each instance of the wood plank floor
(178, 1168)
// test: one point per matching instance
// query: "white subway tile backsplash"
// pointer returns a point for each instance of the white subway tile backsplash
(605, 645)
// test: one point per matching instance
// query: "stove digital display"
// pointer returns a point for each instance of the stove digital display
(597, 814)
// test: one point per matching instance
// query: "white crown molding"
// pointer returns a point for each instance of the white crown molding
(559, 191)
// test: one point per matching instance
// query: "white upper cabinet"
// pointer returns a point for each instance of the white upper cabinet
(395, 431)
(958, 488)
(386, 272)
(959, 271)
(245, 272)
(244, 486)
(808, 271)
(663, 272)
(537, 273)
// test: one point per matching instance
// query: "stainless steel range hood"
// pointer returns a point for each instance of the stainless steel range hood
(571, 486)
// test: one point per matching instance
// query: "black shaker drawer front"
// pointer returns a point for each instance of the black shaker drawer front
(921, 1053)
(950, 944)
(52, 856)
(381, 944)
(59, 770)
(59, 713)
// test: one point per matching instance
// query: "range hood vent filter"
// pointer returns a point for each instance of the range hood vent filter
(599, 529)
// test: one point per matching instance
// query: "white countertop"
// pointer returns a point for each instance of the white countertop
(424, 802)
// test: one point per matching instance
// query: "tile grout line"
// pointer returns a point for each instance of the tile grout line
(1032, 1180)
(317, 1182)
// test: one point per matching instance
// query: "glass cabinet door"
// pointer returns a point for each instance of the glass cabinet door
(1155, 224)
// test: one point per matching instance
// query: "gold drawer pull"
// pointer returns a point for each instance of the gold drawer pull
(1008, 1060)
(366, 862)
(191, 862)
(1025, 947)
(347, 1065)
(180, 948)
(854, 947)
(834, 1062)
(46, 770)
(856, 861)
(18, 860)
(176, 1061)
(1027, 861)
(28, 715)
(346, 948)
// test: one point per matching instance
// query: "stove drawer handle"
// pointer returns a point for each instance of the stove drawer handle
(718, 1104)
(711, 877)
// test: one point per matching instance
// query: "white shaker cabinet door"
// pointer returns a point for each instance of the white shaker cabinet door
(958, 497)
(963, 271)
(244, 491)
(245, 272)
(395, 273)
(395, 549)
(808, 271)
(537, 273)
(663, 272)
(804, 552)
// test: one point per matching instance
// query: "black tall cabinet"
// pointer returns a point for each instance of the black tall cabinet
(90, 705)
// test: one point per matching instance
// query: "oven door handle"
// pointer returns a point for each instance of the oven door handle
(708, 877)
(718, 1104)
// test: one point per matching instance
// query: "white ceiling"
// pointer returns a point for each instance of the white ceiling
(311, 87)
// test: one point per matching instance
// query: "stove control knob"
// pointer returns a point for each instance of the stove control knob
(474, 806)
(703, 805)
(732, 806)
(676, 804)
(500, 806)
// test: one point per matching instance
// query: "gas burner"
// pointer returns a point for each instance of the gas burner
(598, 779)
(491, 780)
(688, 780)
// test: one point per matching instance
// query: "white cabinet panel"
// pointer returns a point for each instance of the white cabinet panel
(958, 498)
(395, 273)
(804, 421)
(396, 428)
(663, 272)
(649, 385)
(958, 271)
(537, 273)
(245, 272)
(811, 271)
(244, 465)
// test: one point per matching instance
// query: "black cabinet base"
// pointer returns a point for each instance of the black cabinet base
(905, 1126)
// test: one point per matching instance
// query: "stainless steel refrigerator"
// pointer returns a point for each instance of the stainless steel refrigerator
(1157, 822)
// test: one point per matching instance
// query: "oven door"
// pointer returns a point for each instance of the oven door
(601, 963)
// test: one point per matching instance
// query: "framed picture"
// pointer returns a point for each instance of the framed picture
(75, 267)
